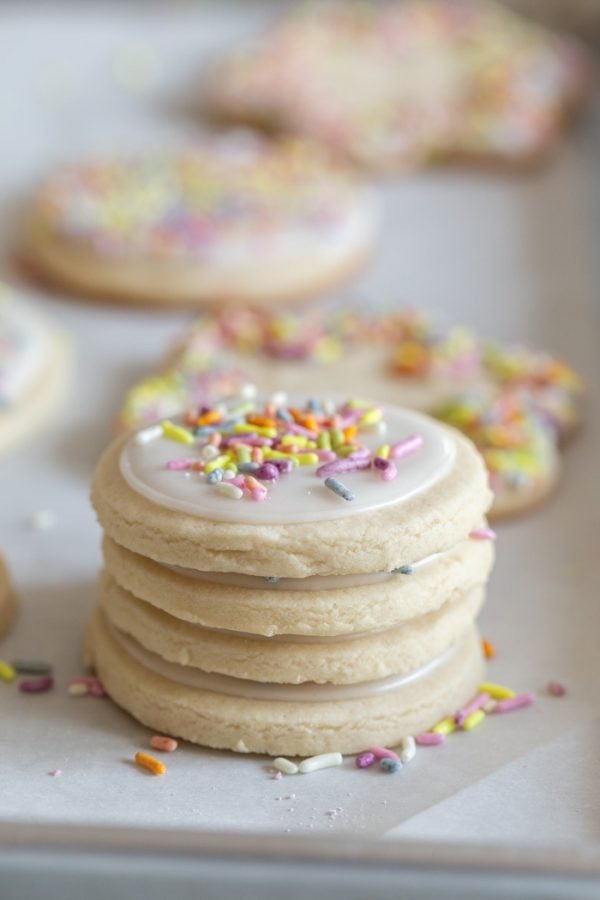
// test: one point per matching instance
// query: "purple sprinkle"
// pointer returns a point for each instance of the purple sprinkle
(518, 702)
(556, 689)
(364, 760)
(37, 685)
(471, 707)
(406, 447)
(283, 465)
(343, 465)
(268, 472)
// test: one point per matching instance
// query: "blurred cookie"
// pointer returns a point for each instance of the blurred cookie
(237, 219)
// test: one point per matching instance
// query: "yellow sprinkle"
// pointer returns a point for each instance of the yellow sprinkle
(497, 691)
(384, 451)
(473, 720)
(446, 726)
(268, 453)
(7, 673)
(359, 404)
(371, 416)
(177, 433)
(255, 429)
(79, 689)
(295, 440)
(306, 459)
(149, 762)
(218, 462)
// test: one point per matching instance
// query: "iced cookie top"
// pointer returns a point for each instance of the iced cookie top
(23, 343)
(230, 198)
(277, 463)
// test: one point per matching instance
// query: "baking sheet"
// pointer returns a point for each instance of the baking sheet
(511, 256)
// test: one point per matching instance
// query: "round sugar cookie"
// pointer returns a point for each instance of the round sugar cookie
(34, 362)
(236, 219)
(8, 603)
(324, 607)
(414, 488)
(245, 716)
(292, 659)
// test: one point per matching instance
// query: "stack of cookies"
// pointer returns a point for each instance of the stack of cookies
(291, 578)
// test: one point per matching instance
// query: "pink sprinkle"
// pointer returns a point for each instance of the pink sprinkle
(258, 496)
(483, 534)
(84, 679)
(97, 689)
(292, 428)
(361, 453)
(557, 689)
(364, 760)
(324, 455)
(37, 685)
(178, 465)
(238, 481)
(518, 702)
(384, 753)
(55, 773)
(406, 447)
(343, 465)
(476, 703)
(387, 469)
(277, 777)
(430, 739)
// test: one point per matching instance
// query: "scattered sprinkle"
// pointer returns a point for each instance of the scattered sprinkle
(429, 739)
(7, 672)
(515, 702)
(322, 761)
(478, 702)
(78, 690)
(338, 488)
(43, 520)
(166, 744)
(390, 765)
(473, 720)
(285, 765)
(149, 762)
(55, 773)
(37, 685)
(445, 727)
(489, 650)
(483, 534)
(383, 753)
(556, 689)
(496, 691)
(365, 760)
(407, 749)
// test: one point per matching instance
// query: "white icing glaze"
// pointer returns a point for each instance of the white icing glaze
(312, 583)
(300, 496)
(23, 346)
(256, 690)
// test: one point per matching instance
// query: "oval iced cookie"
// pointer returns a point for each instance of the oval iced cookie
(291, 577)
(34, 361)
(235, 219)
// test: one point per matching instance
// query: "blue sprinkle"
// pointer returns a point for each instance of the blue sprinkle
(390, 765)
(313, 406)
(284, 415)
(338, 488)
(204, 431)
(215, 476)
(403, 570)
(248, 468)
(272, 579)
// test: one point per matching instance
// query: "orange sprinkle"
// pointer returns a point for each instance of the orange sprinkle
(256, 455)
(350, 433)
(190, 417)
(198, 466)
(261, 421)
(149, 762)
(489, 651)
(252, 484)
(215, 439)
(270, 410)
(168, 744)
(209, 418)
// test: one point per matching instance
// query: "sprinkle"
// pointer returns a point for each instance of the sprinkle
(277, 776)
(483, 534)
(476, 703)
(514, 702)
(390, 765)
(445, 726)
(96, 688)
(32, 667)
(383, 753)
(407, 749)
(556, 689)
(268, 472)
(490, 705)
(146, 435)
(43, 520)
(229, 490)
(176, 433)
(180, 465)
(386, 468)
(489, 650)
(285, 765)
(429, 739)
(364, 760)
(338, 488)
(406, 447)
(403, 570)
(167, 744)
(272, 579)
(215, 476)
(473, 720)
(343, 465)
(55, 773)
(7, 672)
(496, 691)
(383, 452)
(37, 685)
(279, 399)
(79, 689)
(322, 761)
(149, 762)
(208, 452)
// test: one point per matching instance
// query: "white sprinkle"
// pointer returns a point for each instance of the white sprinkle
(209, 452)
(148, 434)
(285, 765)
(79, 689)
(228, 474)
(489, 706)
(229, 490)
(279, 399)
(248, 391)
(381, 428)
(43, 520)
(328, 407)
(407, 748)
(240, 747)
(322, 761)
